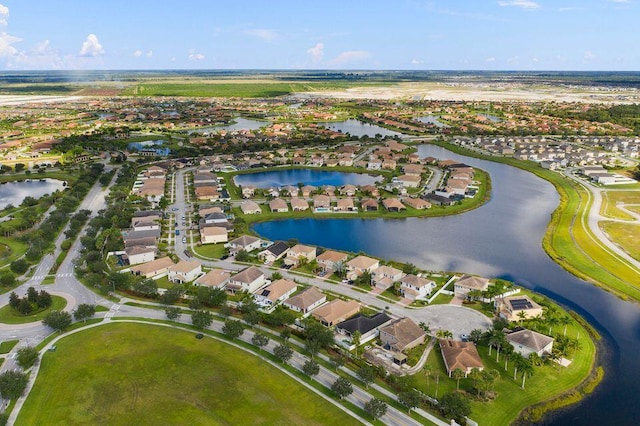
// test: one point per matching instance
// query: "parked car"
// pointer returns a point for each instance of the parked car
(184, 239)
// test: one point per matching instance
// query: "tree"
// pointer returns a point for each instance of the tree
(32, 295)
(564, 321)
(172, 312)
(425, 327)
(84, 311)
(14, 300)
(366, 374)
(314, 330)
(342, 387)
(233, 328)
(276, 276)
(242, 256)
(456, 375)
(27, 356)
(25, 307)
(312, 346)
(376, 408)
(285, 334)
(19, 266)
(455, 406)
(260, 340)
(337, 361)
(444, 334)
(12, 384)
(409, 268)
(283, 352)
(526, 368)
(44, 299)
(475, 335)
(310, 368)
(355, 338)
(518, 361)
(7, 279)
(251, 317)
(201, 319)
(410, 399)
(58, 320)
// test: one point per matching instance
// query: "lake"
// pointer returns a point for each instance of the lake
(157, 145)
(313, 177)
(15, 192)
(358, 128)
(432, 119)
(501, 239)
(490, 117)
(240, 123)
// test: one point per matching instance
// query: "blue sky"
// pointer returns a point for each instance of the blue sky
(346, 34)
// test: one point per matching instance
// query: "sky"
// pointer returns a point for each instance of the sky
(329, 34)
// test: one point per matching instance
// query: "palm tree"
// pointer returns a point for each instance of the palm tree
(427, 372)
(564, 321)
(425, 327)
(444, 334)
(527, 369)
(508, 353)
(522, 315)
(457, 374)
(518, 360)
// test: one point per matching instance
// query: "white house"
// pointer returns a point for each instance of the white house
(214, 235)
(299, 252)
(384, 276)
(245, 242)
(185, 271)
(526, 342)
(140, 254)
(358, 265)
(275, 293)
(249, 280)
(306, 301)
(414, 287)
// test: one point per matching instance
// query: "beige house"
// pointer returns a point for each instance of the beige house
(466, 283)
(185, 271)
(417, 203)
(329, 258)
(214, 235)
(336, 311)
(306, 301)
(401, 334)
(275, 293)
(299, 252)
(214, 278)
(249, 280)
(460, 355)
(358, 265)
(393, 205)
(345, 205)
(245, 242)
(207, 193)
(414, 287)
(140, 254)
(409, 181)
(322, 203)
(299, 205)
(278, 205)
(518, 308)
(155, 269)
(526, 342)
(250, 207)
(384, 276)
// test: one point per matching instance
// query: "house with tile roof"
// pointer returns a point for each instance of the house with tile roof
(460, 355)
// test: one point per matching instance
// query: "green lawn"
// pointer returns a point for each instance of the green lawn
(214, 251)
(7, 345)
(11, 250)
(125, 374)
(625, 235)
(609, 208)
(8, 315)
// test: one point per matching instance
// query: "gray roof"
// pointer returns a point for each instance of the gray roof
(530, 339)
(278, 248)
(364, 324)
(248, 276)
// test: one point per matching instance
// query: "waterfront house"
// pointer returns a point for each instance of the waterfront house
(526, 342)
(298, 253)
(245, 242)
(329, 259)
(393, 205)
(321, 204)
(250, 207)
(460, 355)
(417, 203)
(384, 276)
(345, 205)
(517, 308)
(466, 283)
(360, 264)
(299, 205)
(414, 287)
(274, 252)
(278, 205)
(369, 205)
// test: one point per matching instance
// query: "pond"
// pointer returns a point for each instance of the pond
(15, 192)
(239, 123)
(432, 119)
(501, 239)
(278, 178)
(157, 145)
(358, 128)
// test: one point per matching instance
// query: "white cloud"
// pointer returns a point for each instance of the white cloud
(4, 15)
(316, 52)
(416, 62)
(137, 53)
(350, 56)
(490, 59)
(196, 56)
(523, 4)
(149, 53)
(589, 56)
(91, 47)
(264, 34)
(513, 60)
(6, 45)
(619, 1)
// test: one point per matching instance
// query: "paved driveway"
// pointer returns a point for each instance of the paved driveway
(457, 319)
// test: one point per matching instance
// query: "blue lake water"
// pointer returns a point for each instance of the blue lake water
(283, 177)
(431, 119)
(240, 123)
(358, 128)
(491, 117)
(15, 192)
(156, 144)
(500, 239)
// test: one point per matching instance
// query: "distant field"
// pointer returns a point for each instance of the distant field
(610, 199)
(625, 235)
(239, 89)
(134, 374)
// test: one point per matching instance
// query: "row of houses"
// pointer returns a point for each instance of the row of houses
(150, 184)
(600, 175)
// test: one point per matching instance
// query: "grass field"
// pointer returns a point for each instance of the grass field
(8, 315)
(213, 251)
(7, 345)
(568, 241)
(125, 374)
(546, 382)
(239, 89)
(610, 198)
(625, 235)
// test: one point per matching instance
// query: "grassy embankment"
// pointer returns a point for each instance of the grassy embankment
(568, 240)
(548, 386)
(172, 377)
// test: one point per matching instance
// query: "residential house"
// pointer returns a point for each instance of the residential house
(517, 308)
(299, 252)
(367, 326)
(412, 169)
(155, 269)
(401, 334)
(374, 164)
(248, 191)
(369, 205)
(321, 204)
(414, 287)
(214, 278)
(372, 190)
(249, 280)
(384, 276)
(274, 252)
(245, 242)
(139, 254)
(348, 190)
(526, 342)
(336, 311)
(307, 190)
(215, 218)
(393, 205)
(299, 205)
(329, 259)
(291, 190)
(460, 355)
(250, 207)
(417, 203)
(408, 181)
(306, 301)
(185, 271)
(204, 211)
(207, 193)
(466, 283)
(278, 205)
(360, 264)
(345, 205)
(213, 235)
(275, 293)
